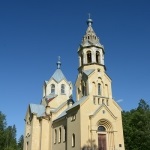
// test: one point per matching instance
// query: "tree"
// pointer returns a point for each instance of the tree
(2, 130)
(7, 135)
(20, 142)
(136, 124)
(10, 135)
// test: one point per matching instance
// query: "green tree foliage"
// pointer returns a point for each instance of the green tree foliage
(2, 130)
(11, 138)
(8, 136)
(136, 124)
(20, 143)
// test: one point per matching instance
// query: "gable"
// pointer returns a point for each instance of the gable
(105, 108)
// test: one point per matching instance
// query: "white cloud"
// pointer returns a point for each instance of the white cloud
(120, 100)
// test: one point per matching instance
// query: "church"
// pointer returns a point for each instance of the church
(91, 122)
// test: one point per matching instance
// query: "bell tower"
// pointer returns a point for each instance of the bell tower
(92, 78)
(90, 52)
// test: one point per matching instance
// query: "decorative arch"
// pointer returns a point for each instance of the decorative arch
(106, 124)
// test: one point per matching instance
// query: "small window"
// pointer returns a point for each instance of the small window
(73, 140)
(99, 89)
(98, 101)
(64, 134)
(81, 59)
(94, 100)
(55, 136)
(101, 129)
(107, 102)
(52, 88)
(59, 140)
(103, 101)
(62, 89)
(84, 92)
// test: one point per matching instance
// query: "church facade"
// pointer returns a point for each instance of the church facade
(92, 122)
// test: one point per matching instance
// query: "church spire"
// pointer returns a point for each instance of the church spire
(90, 51)
(58, 63)
(90, 38)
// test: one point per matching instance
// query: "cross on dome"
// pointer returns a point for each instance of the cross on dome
(58, 63)
(89, 21)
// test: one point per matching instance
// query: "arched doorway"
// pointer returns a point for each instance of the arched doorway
(102, 145)
(105, 136)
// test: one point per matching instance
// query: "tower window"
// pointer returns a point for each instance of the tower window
(81, 59)
(52, 88)
(97, 57)
(103, 101)
(73, 140)
(89, 58)
(99, 89)
(62, 89)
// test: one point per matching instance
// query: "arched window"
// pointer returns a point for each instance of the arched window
(84, 88)
(55, 136)
(97, 57)
(99, 89)
(101, 129)
(64, 134)
(73, 140)
(89, 57)
(59, 140)
(53, 88)
(62, 89)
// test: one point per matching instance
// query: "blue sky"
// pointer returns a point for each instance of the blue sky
(34, 33)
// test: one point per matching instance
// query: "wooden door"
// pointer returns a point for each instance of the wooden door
(102, 142)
